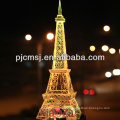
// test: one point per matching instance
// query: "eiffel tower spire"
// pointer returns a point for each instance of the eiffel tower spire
(59, 8)
(60, 44)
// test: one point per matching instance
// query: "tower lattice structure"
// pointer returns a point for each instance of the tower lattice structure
(60, 92)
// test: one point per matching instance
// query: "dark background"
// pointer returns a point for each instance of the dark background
(20, 97)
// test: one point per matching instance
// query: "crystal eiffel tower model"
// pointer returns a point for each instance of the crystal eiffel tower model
(59, 93)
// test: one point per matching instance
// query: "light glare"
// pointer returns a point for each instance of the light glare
(28, 37)
(50, 36)
(116, 72)
(105, 48)
(108, 74)
(92, 48)
(112, 51)
(106, 28)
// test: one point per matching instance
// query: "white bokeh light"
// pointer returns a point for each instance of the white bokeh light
(108, 74)
(116, 72)
(106, 28)
(28, 37)
(50, 36)
(105, 48)
(112, 51)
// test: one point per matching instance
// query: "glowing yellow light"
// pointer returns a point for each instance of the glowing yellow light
(106, 28)
(105, 48)
(112, 51)
(108, 74)
(119, 51)
(92, 48)
(28, 37)
(50, 36)
(116, 72)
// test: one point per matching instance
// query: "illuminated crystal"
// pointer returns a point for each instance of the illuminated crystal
(60, 91)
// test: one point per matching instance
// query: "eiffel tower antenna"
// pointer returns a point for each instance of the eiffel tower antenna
(59, 8)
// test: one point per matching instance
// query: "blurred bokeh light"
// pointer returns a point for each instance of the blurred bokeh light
(112, 51)
(50, 36)
(28, 37)
(106, 28)
(108, 74)
(105, 48)
(92, 92)
(116, 72)
(92, 48)
(85, 92)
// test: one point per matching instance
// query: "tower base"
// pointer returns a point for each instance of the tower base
(83, 117)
